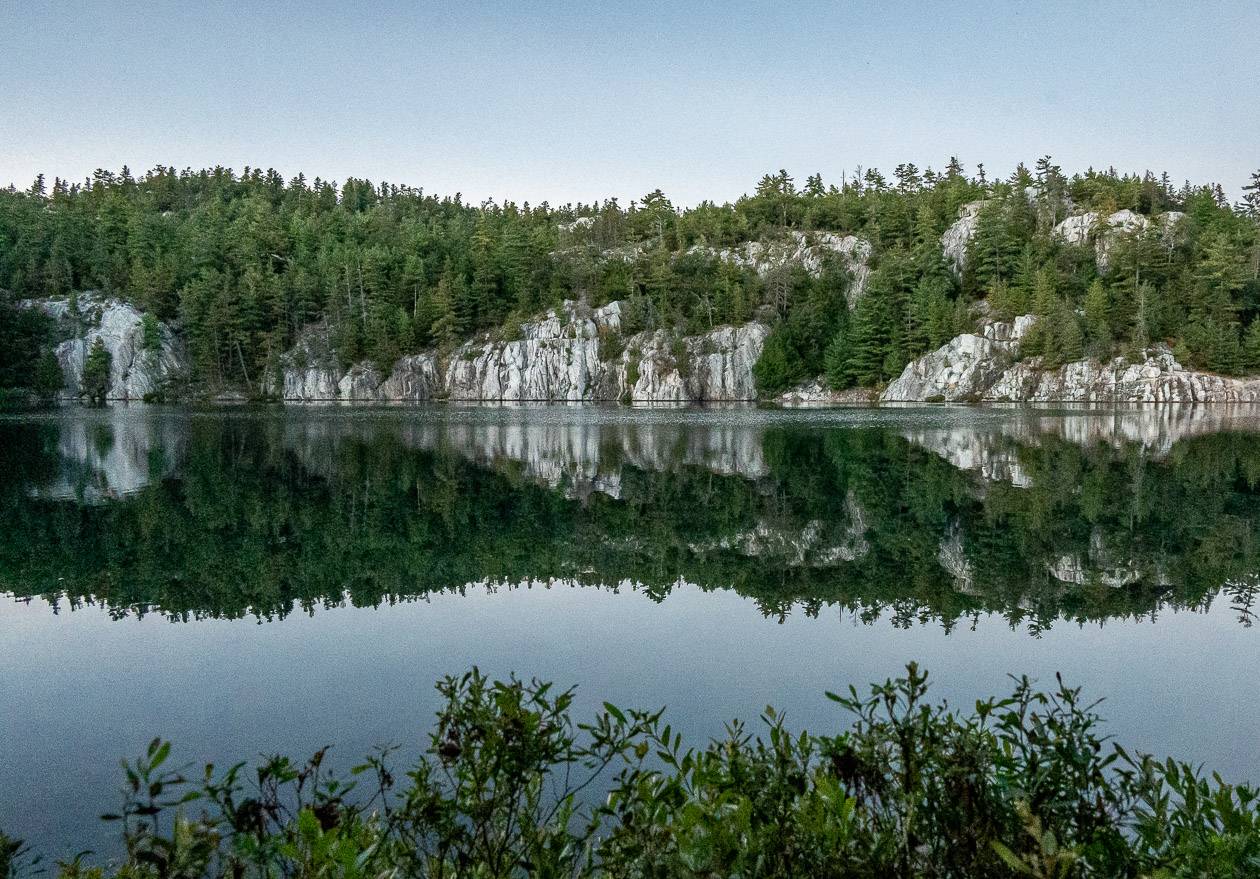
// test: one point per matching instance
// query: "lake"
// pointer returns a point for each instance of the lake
(253, 581)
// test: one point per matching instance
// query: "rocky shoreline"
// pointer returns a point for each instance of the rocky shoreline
(985, 367)
(579, 354)
(571, 354)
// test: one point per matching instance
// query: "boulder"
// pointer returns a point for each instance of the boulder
(816, 393)
(960, 370)
(576, 224)
(1077, 229)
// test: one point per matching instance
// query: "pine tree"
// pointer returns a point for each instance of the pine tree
(1141, 332)
(930, 316)
(659, 211)
(1057, 336)
(48, 377)
(1052, 312)
(777, 367)
(1251, 347)
(1069, 339)
(94, 383)
(445, 326)
(1098, 332)
(518, 261)
(1250, 204)
(1045, 298)
(1051, 192)
(836, 361)
(869, 342)
(483, 294)
(995, 249)
(1211, 334)
(1008, 301)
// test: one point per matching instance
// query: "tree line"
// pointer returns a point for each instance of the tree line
(241, 263)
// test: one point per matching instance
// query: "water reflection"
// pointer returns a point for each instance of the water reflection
(920, 514)
(102, 458)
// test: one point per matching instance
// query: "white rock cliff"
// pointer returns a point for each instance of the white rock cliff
(1089, 227)
(958, 236)
(810, 250)
(571, 354)
(983, 367)
(136, 369)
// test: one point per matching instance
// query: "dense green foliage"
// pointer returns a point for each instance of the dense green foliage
(248, 515)
(27, 364)
(1020, 786)
(23, 335)
(241, 263)
(96, 368)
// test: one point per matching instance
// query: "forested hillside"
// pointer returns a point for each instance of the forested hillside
(240, 263)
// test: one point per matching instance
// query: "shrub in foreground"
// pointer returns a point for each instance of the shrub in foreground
(511, 785)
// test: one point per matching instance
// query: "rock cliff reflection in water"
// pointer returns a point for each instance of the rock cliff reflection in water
(1036, 515)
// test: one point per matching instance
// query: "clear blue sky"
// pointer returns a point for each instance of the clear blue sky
(575, 101)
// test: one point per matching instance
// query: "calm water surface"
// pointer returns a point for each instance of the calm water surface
(247, 582)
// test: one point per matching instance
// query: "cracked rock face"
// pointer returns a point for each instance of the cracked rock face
(957, 237)
(981, 367)
(1159, 378)
(808, 250)
(310, 370)
(714, 367)
(959, 370)
(359, 383)
(556, 359)
(962, 369)
(415, 378)
(310, 373)
(1081, 229)
(135, 370)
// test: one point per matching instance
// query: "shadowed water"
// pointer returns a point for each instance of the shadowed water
(255, 581)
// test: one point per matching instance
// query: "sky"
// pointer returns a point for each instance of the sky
(580, 101)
